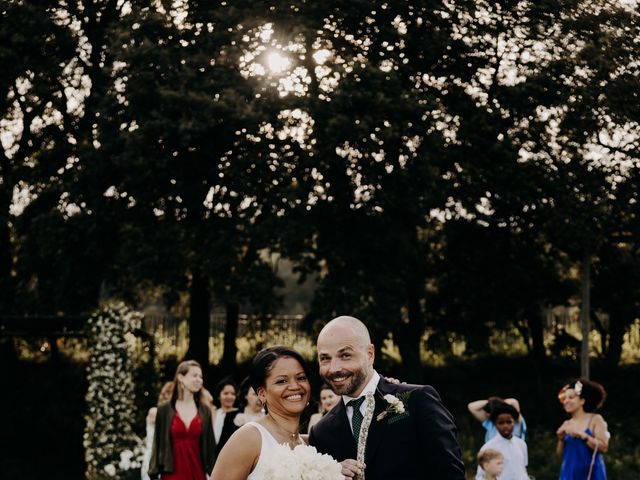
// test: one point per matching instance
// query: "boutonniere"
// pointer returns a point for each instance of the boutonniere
(396, 406)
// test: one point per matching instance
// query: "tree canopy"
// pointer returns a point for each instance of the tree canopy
(440, 165)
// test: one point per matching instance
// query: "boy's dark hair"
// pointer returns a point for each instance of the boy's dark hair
(492, 402)
(593, 394)
(504, 408)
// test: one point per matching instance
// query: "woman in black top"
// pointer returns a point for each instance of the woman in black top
(225, 396)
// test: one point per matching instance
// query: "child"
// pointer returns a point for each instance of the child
(491, 461)
(513, 449)
(481, 410)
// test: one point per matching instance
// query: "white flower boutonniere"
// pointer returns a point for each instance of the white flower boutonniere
(396, 406)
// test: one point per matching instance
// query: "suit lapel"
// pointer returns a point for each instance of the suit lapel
(341, 430)
(377, 428)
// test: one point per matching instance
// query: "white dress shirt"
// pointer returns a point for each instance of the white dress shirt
(369, 388)
(514, 451)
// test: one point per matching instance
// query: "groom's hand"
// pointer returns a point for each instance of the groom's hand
(351, 468)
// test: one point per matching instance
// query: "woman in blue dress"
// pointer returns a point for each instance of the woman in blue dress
(584, 437)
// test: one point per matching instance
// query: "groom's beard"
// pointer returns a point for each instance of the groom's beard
(354, 381)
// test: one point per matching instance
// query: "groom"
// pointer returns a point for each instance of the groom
(411, 434)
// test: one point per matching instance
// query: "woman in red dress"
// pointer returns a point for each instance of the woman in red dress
(183, 443)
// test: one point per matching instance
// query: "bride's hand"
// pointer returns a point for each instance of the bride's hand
(395, 381)
(351, 468)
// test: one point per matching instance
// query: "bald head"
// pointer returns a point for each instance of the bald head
(346, 355)
(356, 328)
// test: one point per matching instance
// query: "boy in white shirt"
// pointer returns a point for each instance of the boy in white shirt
(513, 449)
(492, 462)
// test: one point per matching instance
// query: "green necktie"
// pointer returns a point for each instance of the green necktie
(356, 419)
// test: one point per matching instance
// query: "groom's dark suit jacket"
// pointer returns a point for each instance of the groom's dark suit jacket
(419, 446)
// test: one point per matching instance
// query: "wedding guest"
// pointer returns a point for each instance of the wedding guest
(252, 408)
(163, 396)
(481, 410)
(225, 394)
(183, 443)
(512, 448)
(583, 438)
(280, 377)
(328, 400)
(491, 461)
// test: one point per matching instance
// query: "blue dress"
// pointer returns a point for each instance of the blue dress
(576, 460)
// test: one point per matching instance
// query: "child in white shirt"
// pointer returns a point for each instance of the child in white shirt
(491, 462)
(513, 449)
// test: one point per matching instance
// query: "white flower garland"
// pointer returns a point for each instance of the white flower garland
(369, 406)
(112, 450)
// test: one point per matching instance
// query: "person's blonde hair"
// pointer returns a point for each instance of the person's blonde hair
(485, 456)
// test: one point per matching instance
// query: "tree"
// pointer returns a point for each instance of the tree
(591, 139)
(186, 162)
(616, 285)
(35, 50)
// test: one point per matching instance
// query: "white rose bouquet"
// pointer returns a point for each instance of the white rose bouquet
(302, 463)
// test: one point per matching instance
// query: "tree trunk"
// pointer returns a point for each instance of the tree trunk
(409, 336)
(199, 319)
(616, 338)
(536, 330)
(7, 287)
(228, 362)
(55, 351)
(8, 353)
(585, 310)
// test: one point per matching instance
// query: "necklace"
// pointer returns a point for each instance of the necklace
(293, 435)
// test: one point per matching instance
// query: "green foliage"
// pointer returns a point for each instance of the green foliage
(438, 165)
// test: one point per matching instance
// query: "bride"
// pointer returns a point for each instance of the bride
(280, 377)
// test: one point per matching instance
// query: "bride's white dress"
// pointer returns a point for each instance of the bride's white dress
(268, 445)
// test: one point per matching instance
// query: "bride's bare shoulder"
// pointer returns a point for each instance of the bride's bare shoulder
(239, 455)
(247, 432)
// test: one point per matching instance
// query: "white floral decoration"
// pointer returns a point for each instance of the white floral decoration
(395, 406)
(302, 463)
(112, 449)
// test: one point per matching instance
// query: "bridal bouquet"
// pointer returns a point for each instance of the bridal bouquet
(302, 463)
